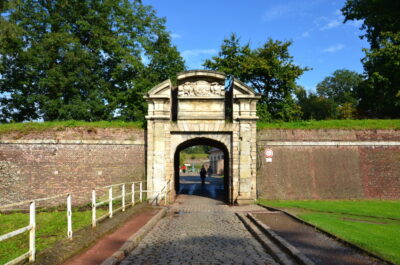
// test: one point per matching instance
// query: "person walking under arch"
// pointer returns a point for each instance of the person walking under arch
(209, 172)
(203, 174)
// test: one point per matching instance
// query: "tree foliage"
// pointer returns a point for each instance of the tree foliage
(335, 97)
(380, 93)
(268, 69)
(340, 86)
(315, 107)
(81, 59)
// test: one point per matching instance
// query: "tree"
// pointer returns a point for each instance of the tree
(377, 16)
(83, 60)
(341, 89)
(314, 106)
(380, 92)
(269, 70)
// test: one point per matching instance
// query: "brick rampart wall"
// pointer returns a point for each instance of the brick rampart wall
(329, 171)
(44, 164)
(53, 162)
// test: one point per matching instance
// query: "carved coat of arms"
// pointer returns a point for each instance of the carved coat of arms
(201, 88)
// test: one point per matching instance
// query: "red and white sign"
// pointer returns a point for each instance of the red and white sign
(269, 153)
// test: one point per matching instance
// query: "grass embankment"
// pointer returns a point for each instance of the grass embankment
(326, 124)
(51, 227)
(62, 125)
(333, 124)
(372, 225)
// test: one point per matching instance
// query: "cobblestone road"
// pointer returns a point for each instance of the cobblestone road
(200, 230)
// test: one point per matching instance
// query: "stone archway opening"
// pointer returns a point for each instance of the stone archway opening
(217, 191)
(203, 107)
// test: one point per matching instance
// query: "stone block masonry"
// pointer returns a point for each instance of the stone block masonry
(60, 162)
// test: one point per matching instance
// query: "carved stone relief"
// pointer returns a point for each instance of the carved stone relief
(200, 88)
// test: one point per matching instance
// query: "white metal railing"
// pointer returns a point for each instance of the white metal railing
(163, 193)
(32, 214)
(111, 199)
(32, 230)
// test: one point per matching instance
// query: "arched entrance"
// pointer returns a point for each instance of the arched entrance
(200, 108)
(210, 142)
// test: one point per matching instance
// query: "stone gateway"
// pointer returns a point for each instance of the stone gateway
(198, 110)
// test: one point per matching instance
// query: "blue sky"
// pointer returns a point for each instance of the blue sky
(320, 39)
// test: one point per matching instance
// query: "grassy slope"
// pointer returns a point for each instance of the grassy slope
(51, 227)
(62, 125)
(328, 124)
(382, 237)
(333, 124)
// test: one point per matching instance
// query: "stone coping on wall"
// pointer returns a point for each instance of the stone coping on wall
(74, 142)
(328, 135)
(328, 143)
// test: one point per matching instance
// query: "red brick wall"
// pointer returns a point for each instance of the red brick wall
(329, 172)
(39, 170)
(297, 172)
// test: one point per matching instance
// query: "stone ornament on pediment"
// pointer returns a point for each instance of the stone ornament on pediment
(201, 89)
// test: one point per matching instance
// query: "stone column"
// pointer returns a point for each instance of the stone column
(247, 156)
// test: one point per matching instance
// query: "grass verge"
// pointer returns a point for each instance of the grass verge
(333, 124)
(51, 227)
(370, 224)
(62, 125)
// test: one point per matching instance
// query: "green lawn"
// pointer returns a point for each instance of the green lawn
(51, 227)
(332, 124)
(371, 224)
(62, 125)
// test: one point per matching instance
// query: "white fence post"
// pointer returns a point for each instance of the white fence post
(110, 197)
(133, 194)
(141, 191)
(69, 216)
(93, 208)
(123, 197)
(32, 232)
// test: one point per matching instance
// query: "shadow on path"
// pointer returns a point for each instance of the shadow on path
(212, 188)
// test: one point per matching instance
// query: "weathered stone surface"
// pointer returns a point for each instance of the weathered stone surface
(197, 110)
(199, 230)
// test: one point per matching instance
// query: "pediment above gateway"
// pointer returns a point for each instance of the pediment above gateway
(201, 95)
(201, 88)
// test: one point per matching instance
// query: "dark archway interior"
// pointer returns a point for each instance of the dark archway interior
(205, 141)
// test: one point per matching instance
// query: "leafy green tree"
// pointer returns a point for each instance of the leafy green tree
(378, 16)
(380, 93)
(81, 59)
(340, 86)
(269, 70)
(314, 106)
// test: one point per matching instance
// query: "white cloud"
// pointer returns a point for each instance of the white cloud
(305, 34)
(289, 8)
(175, 36)
(197, 52)
(334, 48)
(277, 12)
(331, 24)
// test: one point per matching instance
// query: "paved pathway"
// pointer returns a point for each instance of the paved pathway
(200, 230)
